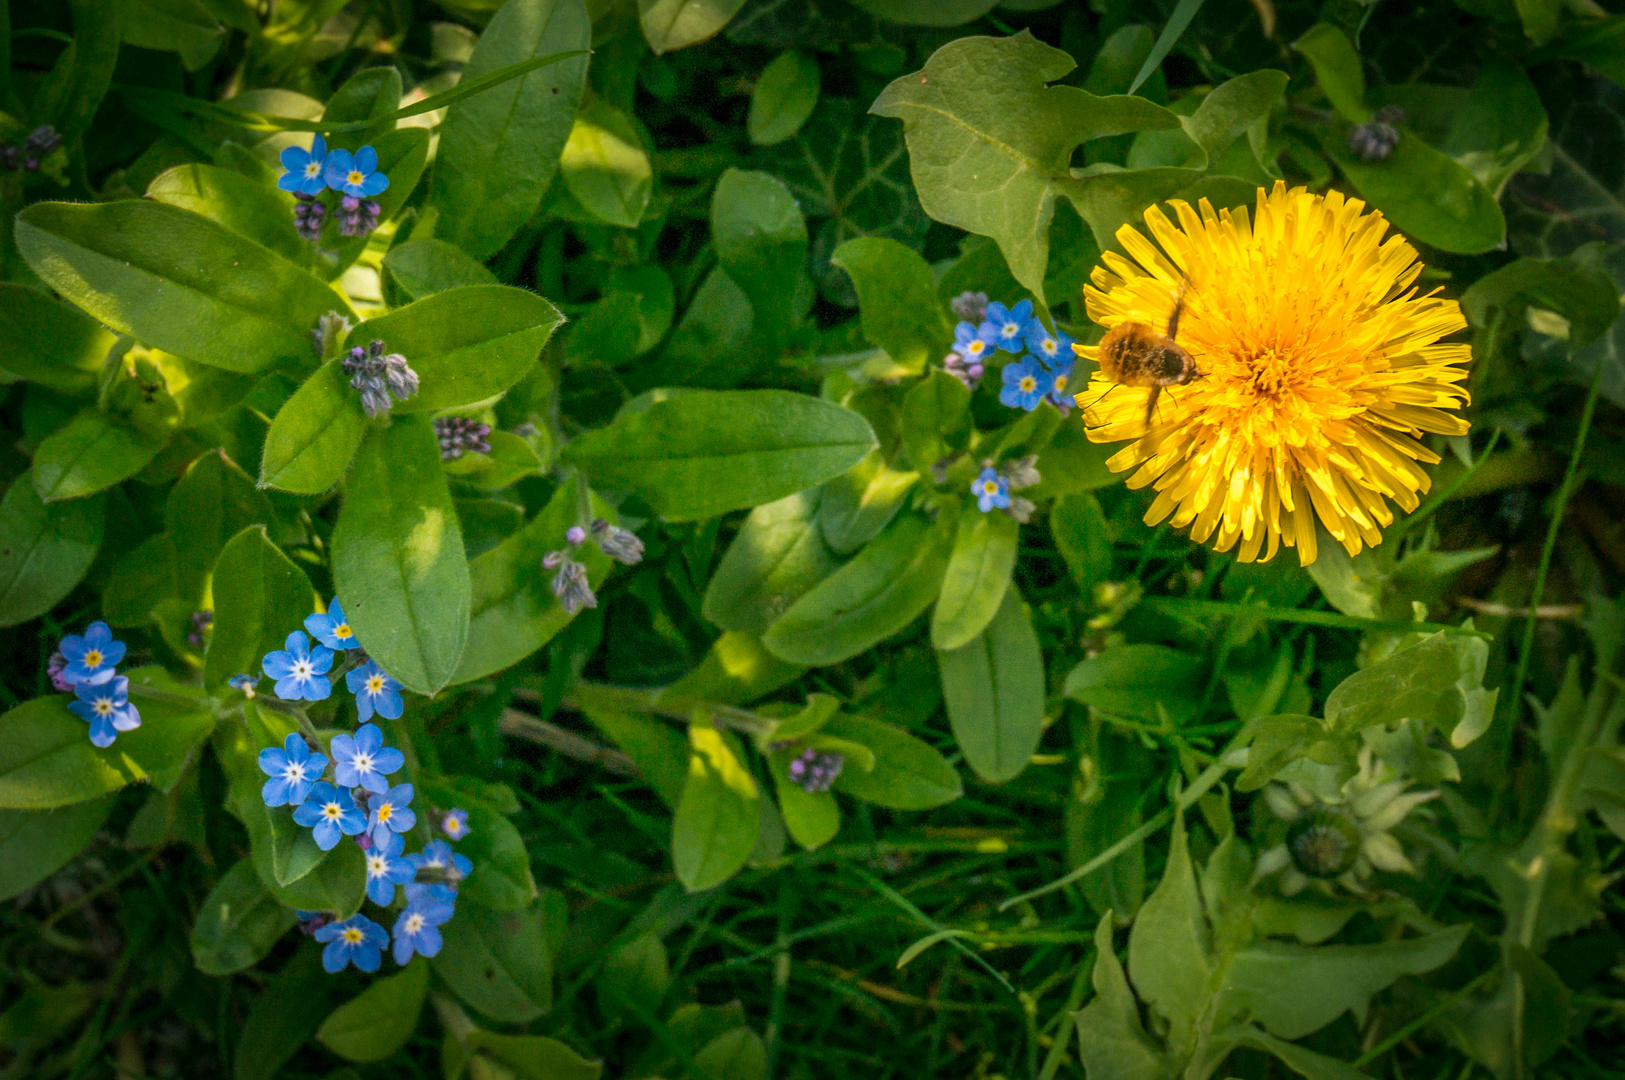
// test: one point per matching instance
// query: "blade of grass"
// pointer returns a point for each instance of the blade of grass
(1177, 22)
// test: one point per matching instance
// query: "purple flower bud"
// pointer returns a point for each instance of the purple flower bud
(363, 841)
(43, 139)
(570, 585)
(969, 306)
(54, 667)
(460, 434)
(1021, 473)
(616, 542)
(312, 921)
(814, 770)
(308, 216)
(1021, 509)
(553, 559)
(1375, 140)
(201, 621)
(403, 381)
(576, 535)
(374, 396)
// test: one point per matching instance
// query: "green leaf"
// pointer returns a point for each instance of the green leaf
(513, 611)
(501, 878)
(715, 827)
(176, 281)
(314, 435)
(510, 460)
(377, 1022)
(34, 844)
(936, 418)
(761, 241)
(812, 817)
(978, 575)
(994, 689)
(1232, 109)
(90, 454)
(785, 95)
(398, 562)
(532, 1057)
(424, 267)
(977, 170)
(1439, 681)
(498, 962)
(285, 1016)
(369, 94)
(1305, 1063)
(1111, 1039)
(659, 752)
(1168, 947)
(50, 343)
(499, 149)
(259, 596)
(712, 342)
(1337, 69)
(861, 502)
(1578, 289)
(605, 165)
(637, 973)
(45, 549)
(699, 454)
(1427, 196)
(885, 587)
(466, 344)
(1293, 990)
(677, 24)
(777, 555)
(1137, 680)
(928, 12)
(897, 295)
(246, 207)
(1502, 126)
(908, 773)
(1083, 538)
(739, 1054)
(186, 27)
(239, 923)
(735, 671)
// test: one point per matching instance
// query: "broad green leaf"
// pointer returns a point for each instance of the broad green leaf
(656, 748)
(499, 149)
(715, 827)
(761, 242)
(908, 773)
(314, 435)
(777, 555)
(1168, 947)
(95, 54)
(1112, 1042)
(510, 460)
(1083, 538)
(377, 1022)
(897, 298)
(239, 923)
(285, 1016)
(637, 973)
(1426, 195)
(498, 962)
(45, 549)
(466, 344)
(928, 12)
(48, 342)
(1337, 69)
(736, 671)
(142, 579)
(994, 689)
(812, 817)
(1292, 990)
(186, 27)
(501, 878)
(91, 454)
(739, 1054)
(1232, 109)
(785, 95)
(513, 611)
(176, 281)
(398, 562)
(885, 587)
(936, 419)
(1306, 1063)
(213, 502)
(605, 166)
(1577, 288)
(369, 94)
(424, 267)
(850, 173)
(250, 209)
(677, 24)
(861, 502)
(976, 169)
(531, 1057)
(1138, 680)
(977, 578)
(259, 596)
(34, 844)
(696, 455)
(1439, 681)
(712, 346)
(1502, 126)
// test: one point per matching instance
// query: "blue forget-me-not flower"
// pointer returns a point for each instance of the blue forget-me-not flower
(387, 869)
(299, 670)
(1010, 324)
(355, 174)
(357, 940)
(105, 705)
(417, 930)
(389, 813)
(974, 342)
(455, 823)
(330, 813)
(362, 760)
(1025, 384)
(1055, 350)
(332, 628)
(374, 691)
(91, 658)
(245, 682)
(991, 490)
(437, 855)
(292, 770)
(305, 175)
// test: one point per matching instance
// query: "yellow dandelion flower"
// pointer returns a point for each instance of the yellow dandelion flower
(1317, 367)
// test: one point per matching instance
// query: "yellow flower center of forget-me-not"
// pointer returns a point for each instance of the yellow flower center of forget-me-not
(1028, 384)
(990, 487)
(385, 812)
(414, 923)
(342, 631)
(333, 811)
(352, 935)
(104, 706)
(93, 658)
(313, 169)
(375, 684)
(355, 177)
(1060, 383)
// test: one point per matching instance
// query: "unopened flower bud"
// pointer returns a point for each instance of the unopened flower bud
(814, 771)
(1021, 473)
(570, 585)
(969, 306)
(460, 434)
(1375, 140)
(617, 543)
(1021, 509)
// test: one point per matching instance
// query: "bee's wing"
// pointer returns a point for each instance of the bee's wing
(1179, 306)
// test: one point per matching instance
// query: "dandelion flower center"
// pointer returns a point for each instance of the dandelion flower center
(1320, 370)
